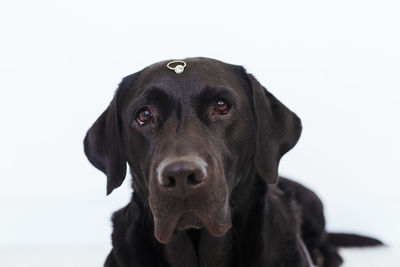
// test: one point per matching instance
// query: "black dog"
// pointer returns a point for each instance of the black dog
(203, 148)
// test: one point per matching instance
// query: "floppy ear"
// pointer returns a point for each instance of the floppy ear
(103, 142)
(278, 130)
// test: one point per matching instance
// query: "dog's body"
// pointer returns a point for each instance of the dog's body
(203, 148)
(260, 235)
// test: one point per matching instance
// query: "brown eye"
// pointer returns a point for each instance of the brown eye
(221, 107)
(144, 116)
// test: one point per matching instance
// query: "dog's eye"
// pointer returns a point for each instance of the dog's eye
(221, 107)
(144, 116)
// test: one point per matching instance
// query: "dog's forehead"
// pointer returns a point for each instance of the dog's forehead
(198, 74)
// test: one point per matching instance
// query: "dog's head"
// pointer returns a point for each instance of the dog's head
(189, 139)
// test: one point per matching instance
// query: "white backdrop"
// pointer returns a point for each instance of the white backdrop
(335, 64)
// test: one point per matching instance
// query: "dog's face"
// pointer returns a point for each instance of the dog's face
(189, 139)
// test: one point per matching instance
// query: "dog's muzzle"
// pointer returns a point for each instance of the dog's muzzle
(188, 192)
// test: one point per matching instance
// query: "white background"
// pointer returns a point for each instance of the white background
(336, 64)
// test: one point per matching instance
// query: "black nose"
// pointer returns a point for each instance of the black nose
(182, 176)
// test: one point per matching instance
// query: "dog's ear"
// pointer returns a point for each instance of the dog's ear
(278, 130)
(103, 143)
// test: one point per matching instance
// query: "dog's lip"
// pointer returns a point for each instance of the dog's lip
(219, 223)
(164, 229)
(216, 224)
(189, 220)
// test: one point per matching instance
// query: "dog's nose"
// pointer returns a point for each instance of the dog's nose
(182, 176)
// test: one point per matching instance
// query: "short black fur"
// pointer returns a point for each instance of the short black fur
(242, 214)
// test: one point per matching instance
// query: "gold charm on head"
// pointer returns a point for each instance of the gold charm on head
(177, 65)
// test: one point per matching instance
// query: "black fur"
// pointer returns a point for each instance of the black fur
(352, 240)
(238, 216)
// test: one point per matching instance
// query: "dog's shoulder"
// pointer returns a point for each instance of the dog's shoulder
(127, 215)
(133, 237)
(281, 229)
(282, 211)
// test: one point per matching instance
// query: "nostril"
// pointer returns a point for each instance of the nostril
(192, 179)
(181, 176)
(170, 181)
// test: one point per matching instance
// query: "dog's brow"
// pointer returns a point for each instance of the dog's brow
(218, 89)
(151, 96)
(155, 94)
(212, 92)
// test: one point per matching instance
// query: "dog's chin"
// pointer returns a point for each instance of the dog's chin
(166, 229)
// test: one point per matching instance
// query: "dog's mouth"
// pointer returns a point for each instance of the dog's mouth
(189, 220)
(216, 223)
